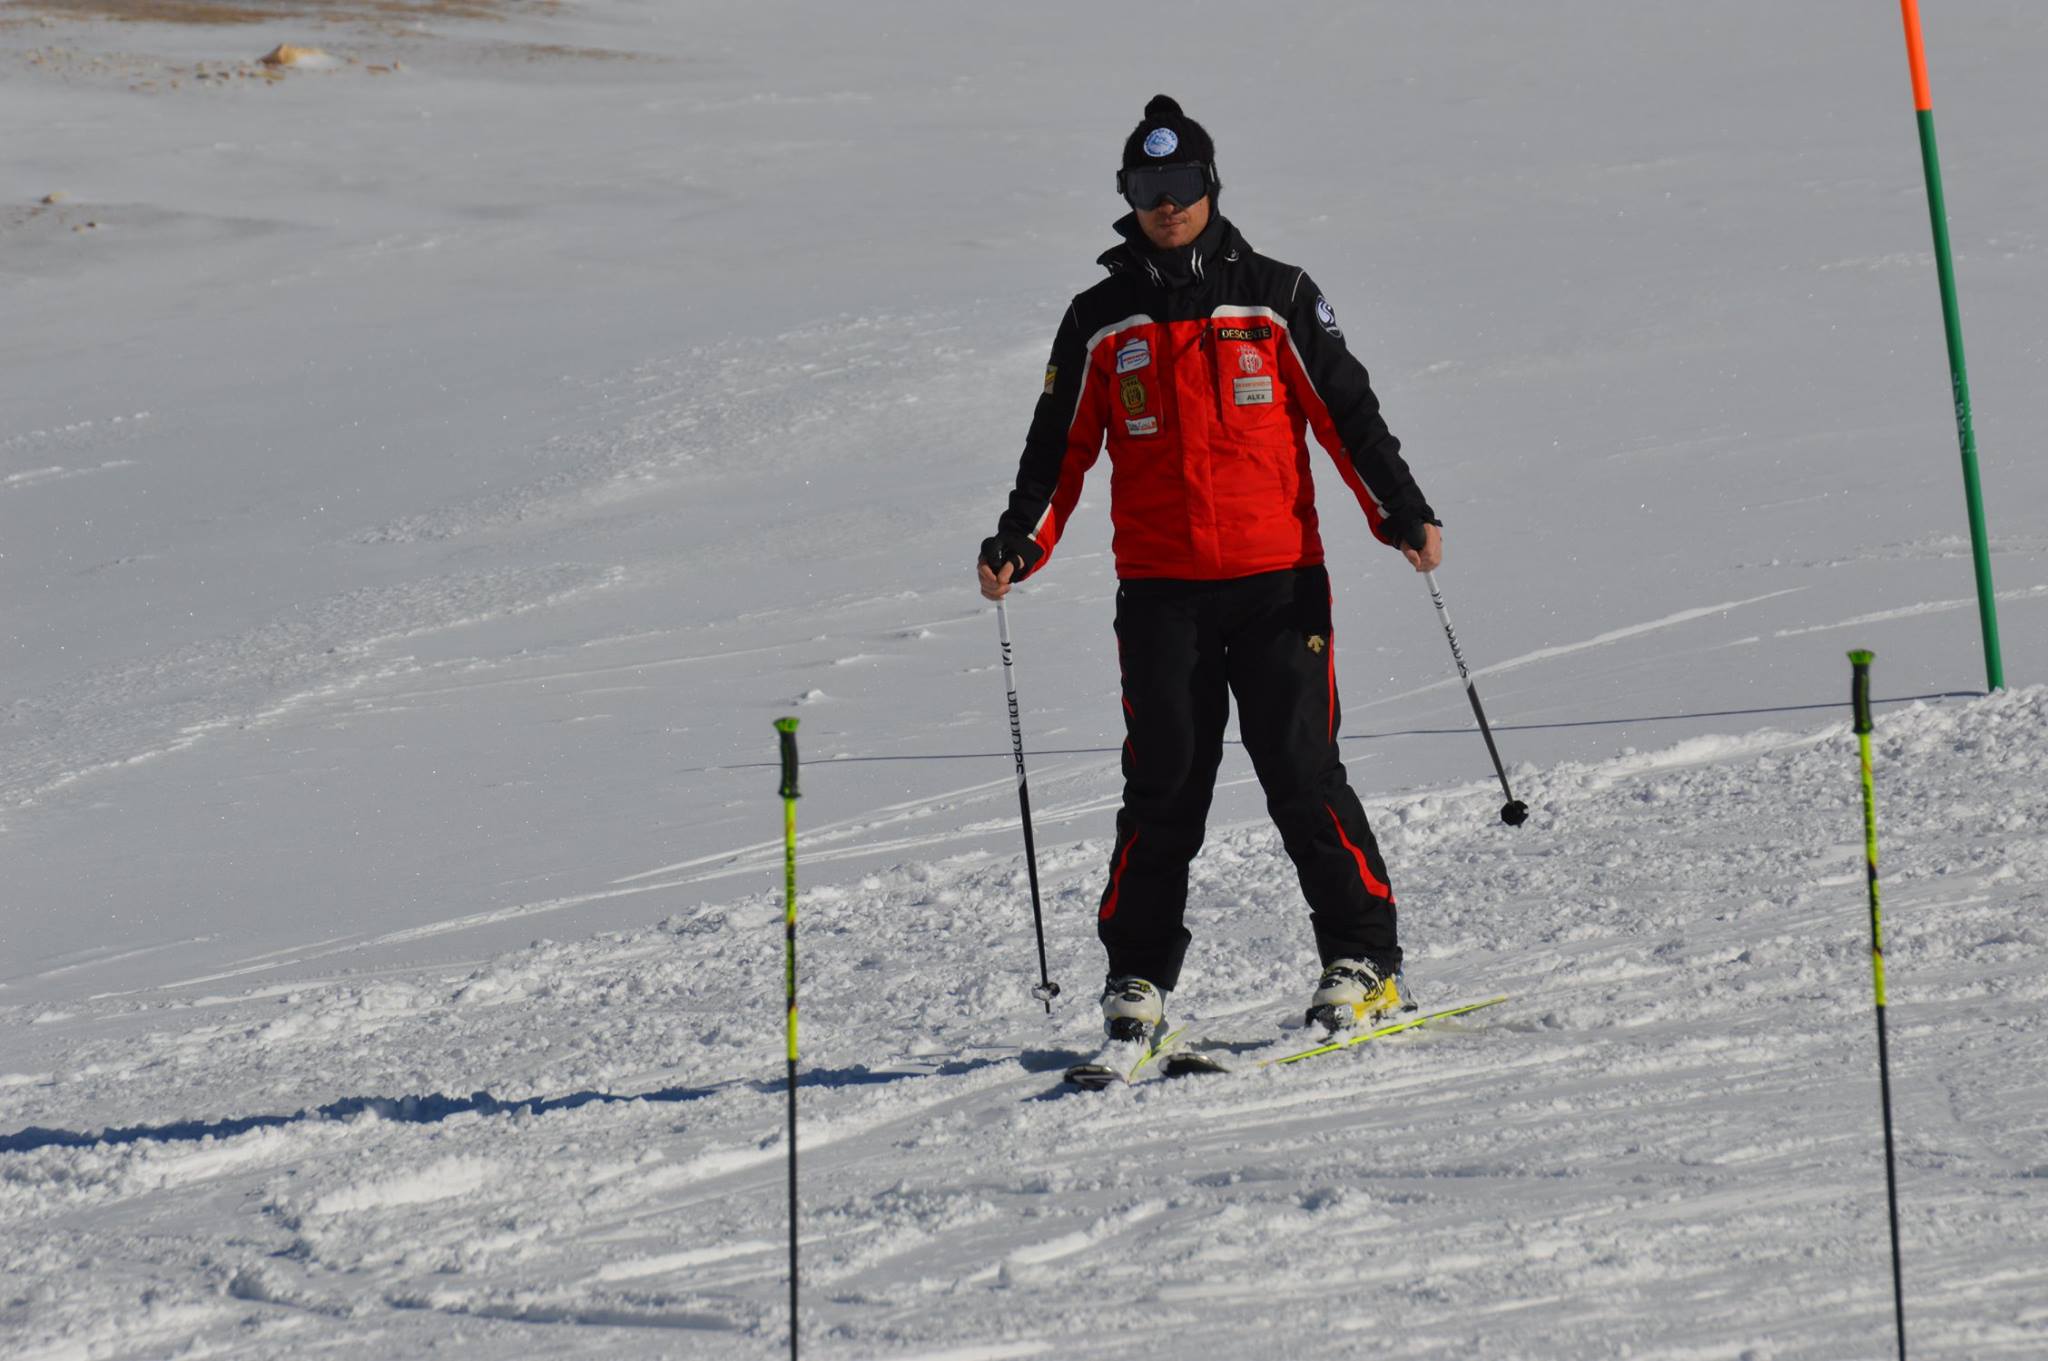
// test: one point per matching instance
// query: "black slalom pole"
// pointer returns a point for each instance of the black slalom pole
(1514, 812)
(1859, 698)
(787, 727)
(1046, 989)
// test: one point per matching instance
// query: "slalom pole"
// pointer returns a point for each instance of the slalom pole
(787, 728)
(1860, 698)
(1514, 812)
(1952, 325)
(1046, 989)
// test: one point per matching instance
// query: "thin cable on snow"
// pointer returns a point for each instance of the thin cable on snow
(1936, 696)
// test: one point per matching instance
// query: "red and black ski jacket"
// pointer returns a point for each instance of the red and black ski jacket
(1202, 367)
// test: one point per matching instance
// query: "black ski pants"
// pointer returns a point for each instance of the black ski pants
(1186, 647)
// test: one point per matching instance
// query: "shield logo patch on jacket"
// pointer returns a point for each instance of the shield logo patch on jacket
(1134, 395)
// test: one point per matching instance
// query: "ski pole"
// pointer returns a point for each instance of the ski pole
(787, 727)
(1046, 989)
(1860, 699)
(1514, 812)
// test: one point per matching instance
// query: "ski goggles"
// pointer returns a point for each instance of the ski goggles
(1147, 186)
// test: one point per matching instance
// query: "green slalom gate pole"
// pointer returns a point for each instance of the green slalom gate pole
(1860, 698)
(1952, 324)
(787, 728)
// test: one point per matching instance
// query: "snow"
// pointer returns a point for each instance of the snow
(425, 473)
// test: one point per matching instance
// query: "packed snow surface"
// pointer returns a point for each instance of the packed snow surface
(426, 471)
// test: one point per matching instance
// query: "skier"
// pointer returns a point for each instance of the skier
(1202, 361)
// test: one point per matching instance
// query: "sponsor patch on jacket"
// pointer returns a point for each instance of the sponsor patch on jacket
(1143, 425)
(1244, 333)
(1134, 395)
(1052, 373)
(1327, 315)
(1134, 353)
(1252, 391)
(1248, 360)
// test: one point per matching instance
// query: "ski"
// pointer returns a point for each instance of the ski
(1189, 1063)
(1097, 1074)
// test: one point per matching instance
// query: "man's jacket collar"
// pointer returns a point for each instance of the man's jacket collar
(1180, 267)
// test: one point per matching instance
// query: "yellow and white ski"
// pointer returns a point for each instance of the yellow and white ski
(1187, 1062)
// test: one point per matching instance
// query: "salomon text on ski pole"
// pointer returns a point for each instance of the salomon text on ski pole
(787, 727)
(1514, 812)
(1859, 698)
(1046, 989)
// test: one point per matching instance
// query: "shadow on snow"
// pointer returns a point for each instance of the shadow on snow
(427, 1110)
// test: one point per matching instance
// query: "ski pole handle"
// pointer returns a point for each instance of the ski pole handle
(1859, 690)
(787, 727)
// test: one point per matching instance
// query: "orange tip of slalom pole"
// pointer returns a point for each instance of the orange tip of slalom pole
(1916, 55)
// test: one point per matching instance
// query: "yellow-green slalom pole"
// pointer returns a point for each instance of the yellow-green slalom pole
(1860, 698)
(1952, 326)
(787, 728)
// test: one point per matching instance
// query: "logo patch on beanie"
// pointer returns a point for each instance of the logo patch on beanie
(1161, 142)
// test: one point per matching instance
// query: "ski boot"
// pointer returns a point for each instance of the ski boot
(1353, 992)
(1134, 1033)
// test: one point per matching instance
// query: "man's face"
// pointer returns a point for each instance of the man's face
(1170, 225)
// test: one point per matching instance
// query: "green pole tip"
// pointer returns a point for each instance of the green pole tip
(785, 725)
(1860, 657)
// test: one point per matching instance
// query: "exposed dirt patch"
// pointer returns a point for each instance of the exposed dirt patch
(214, 12)
(363, 37)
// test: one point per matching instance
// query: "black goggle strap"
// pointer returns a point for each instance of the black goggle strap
(1145, 185)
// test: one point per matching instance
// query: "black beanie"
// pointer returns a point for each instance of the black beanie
(1169, 137)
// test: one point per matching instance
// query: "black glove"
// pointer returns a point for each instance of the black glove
(1016, 549)
(1406, 531)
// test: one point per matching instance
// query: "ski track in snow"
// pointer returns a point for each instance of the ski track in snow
(816, 848)
(315, 654)
(1605, 639)
(1665, 1145)
(663, 442)
(1912, 611)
